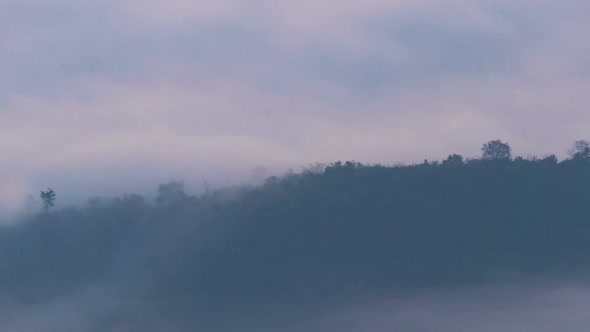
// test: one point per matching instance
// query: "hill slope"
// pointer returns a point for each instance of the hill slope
(347, 229)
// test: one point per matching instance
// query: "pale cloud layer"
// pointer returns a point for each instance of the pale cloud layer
(506, 308)
(104, 96)
(535, 306)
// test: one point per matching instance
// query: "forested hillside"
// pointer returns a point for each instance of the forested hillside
(342, 228)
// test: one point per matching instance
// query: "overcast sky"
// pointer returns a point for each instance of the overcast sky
(115, 96)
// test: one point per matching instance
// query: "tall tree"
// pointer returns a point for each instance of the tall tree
(29, 203)
(496, 150)
(48, 198)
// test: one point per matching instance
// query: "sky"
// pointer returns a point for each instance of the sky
(104, 97)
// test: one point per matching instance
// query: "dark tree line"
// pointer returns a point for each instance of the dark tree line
(334, 229)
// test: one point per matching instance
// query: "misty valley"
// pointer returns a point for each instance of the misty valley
(495, 243)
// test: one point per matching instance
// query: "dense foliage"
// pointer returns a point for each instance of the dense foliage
(330, 230)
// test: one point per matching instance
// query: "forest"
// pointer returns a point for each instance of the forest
(329, 232)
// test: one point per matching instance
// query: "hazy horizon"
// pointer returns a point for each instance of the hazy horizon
(290, 166)
(112, 96)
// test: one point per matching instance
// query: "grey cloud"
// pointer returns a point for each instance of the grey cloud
(116, 84)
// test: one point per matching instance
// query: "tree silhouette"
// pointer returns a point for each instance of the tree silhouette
(580, 150)
(345, 227)
(453, 160)
(170, 193)
(48, 198)
(496, 150)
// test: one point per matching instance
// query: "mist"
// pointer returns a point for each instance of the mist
(172, 134)
(528, 306)
(489, 244)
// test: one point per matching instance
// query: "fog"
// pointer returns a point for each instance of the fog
(168, 131)
(513, 307)
(508, 308)
(339, 247)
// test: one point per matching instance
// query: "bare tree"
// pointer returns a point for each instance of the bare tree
(206, 187)
(30, 203)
